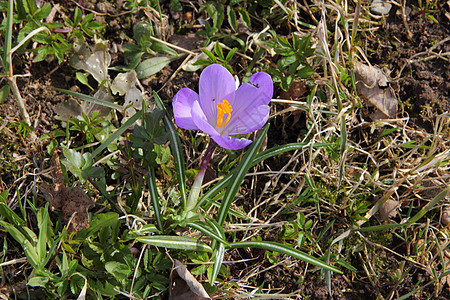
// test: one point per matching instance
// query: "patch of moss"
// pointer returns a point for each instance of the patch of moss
(330, 195)
(384, 238)
(9, 168)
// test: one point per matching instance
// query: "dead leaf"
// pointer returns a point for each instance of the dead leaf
(184, 286)
(123, 82)
(72, 108)
(295, 91)
(72, 201)
(67, 109)
(96, 62)
(133, 102)
(374, 86)
(389, 209)
(102, 94)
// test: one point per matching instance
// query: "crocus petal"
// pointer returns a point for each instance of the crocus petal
(249, 121)
(182, 105)
(248, 96)
(199, 119)
(229, 142)
(216, 84)
(247, 99)
(264, 82)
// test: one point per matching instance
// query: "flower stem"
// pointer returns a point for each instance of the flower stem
(208, 154)
(196, 186)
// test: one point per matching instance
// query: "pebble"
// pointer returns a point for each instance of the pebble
(380, 7)
(445, 219)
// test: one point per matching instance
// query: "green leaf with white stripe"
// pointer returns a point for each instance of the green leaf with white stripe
(218, 236)
(239, 174)
(217, 188)
(43, 230)
(218, 259)
(175, 242)
(220, 250)
(288, 250)
(177, 150)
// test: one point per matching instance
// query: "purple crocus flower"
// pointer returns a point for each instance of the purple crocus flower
(222, 111)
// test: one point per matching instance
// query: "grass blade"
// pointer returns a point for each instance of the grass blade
(91, 99)
(284, 148)
(239, 174)
(429, 206)
(379, 227)
(343, 146)
(8, 37)
(272, 246)
(12, 217)
(50, 252)
(258, 158)
(177, 150)
(175, 242)
(118, 133)
(231, 211)
(28, 247)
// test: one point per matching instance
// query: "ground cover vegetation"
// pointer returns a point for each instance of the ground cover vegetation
(112, 185)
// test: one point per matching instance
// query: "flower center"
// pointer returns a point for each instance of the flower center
(223, 108)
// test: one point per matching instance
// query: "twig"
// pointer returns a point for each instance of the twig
(12, 79)
(13, 261)
(171, 45)
(422, 266)
(429, 51)
(405, 22)
(19, 99)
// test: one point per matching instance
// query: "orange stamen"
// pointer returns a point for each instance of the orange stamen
(223, 108)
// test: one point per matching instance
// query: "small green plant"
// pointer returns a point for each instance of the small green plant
(144, 140)
(220, 59)
(426, 10)
(51, 137)
(89, 127)
(81, 26)
(22, 128)
(138, 4)
(294, 62)
(298, 230)
(216, 11)
(82, 165)
(107, 264)
(54, 40)
(147, 45)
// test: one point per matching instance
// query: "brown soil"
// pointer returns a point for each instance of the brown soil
(424, 84)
